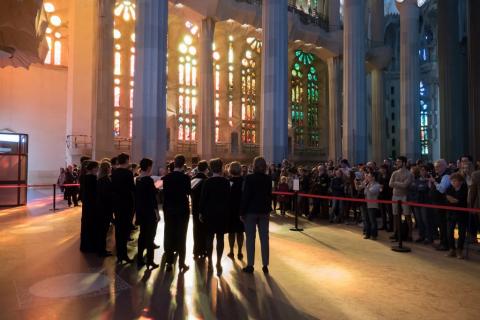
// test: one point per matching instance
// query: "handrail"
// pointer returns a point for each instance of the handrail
(311, 17)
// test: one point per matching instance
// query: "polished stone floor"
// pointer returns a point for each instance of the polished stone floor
(324, 272)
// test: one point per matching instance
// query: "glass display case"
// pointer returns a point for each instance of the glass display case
(13, 169)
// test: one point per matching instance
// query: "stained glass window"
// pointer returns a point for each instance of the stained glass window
(54, 36)
(216, 64)
(424, 121)
(305, 100)
(124, 66)
(230, 80)
(187, 84)
(249, 87)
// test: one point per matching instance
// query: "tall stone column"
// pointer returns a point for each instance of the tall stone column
(274, 119)
(149, 103)
(409, 79)
(81, 66)
(378, 117)
(473, 26)
(334, 108)
(354, 141)
(453, 104)
(333, 15)
(102, 119)
(206, 94)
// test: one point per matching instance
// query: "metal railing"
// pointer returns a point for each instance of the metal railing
(250, 149)
(310, 17)
(79, 141)
(222, 149)
(122, 144)
(185, 148)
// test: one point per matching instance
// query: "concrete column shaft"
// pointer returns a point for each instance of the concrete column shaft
(206, 90)
(354, 141)
(149, 104)
(102, 120)
(334, 109)
(409, 79)
(334, 15)
(274, 109)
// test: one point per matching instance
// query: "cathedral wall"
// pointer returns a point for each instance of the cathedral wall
(34, 102)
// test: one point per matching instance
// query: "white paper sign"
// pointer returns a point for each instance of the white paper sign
(296, 185)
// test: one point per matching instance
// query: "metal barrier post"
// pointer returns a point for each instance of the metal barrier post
(296, 228)
(400, 247)
(54, 208)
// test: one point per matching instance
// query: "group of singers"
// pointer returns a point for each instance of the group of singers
(221, 203)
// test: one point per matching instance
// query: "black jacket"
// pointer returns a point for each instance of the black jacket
(461, 195)
(214, 204)
(146, 205)
(197, 184)
(321, 184)
(105, 198)
(176, 189)
(89, 195)
(257, 195)
(338, 186)
(123, 189)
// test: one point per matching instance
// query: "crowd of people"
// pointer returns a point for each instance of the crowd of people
(220, 198)
(454, 184)
(237, 200)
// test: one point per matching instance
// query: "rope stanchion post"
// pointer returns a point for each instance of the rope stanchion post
(400, 247)
(54, 208)
(296, 228)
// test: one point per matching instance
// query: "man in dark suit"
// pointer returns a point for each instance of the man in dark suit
(123, 189)
(199, 233)
(176, 189)
(146, 208)
(214, 208)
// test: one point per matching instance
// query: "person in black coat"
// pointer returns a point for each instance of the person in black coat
(104, 214)
(146, 208)
(176, 189)
(457, 195)
(71, 192)
(235, 225)
(214, 210)
(320, 186)
(255, 208)
(80, 175)
(89, 198)
(123, 205)
(199, 232)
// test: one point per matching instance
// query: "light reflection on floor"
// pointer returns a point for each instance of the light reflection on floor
(325, 272)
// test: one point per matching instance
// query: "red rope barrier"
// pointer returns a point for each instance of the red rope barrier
(410, 203)
(14, 186)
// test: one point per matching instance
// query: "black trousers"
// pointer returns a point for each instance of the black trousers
(176, 225)
(148, 230)
(122, 231)
(71, 194)
(220, 245)
(387, 216)
(199, 236)
(102, 226)
(440, 217)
